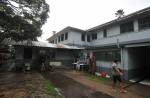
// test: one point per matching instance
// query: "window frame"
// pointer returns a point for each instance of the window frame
(94, 36)
(105, 33)
(66, 36)
(127, 27)
(88, 38)
(59, 38)
(82, 37)
(62, 37)
(144, 23)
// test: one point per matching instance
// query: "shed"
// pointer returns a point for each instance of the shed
(30, 52)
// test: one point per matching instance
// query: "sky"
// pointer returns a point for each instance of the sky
(85, 14)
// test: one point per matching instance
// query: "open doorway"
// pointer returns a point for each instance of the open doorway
(139, 62)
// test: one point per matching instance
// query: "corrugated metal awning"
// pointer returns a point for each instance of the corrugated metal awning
(37, 44)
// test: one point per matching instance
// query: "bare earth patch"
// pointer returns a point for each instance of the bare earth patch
(135, 91)
(70, 84)
(22, 85)
(71, 88)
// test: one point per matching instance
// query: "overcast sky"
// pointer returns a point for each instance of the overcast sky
(85, 14)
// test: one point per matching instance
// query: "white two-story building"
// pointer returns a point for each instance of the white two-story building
(69, 36)
(126, 39)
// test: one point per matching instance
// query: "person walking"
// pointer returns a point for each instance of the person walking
(116, 76)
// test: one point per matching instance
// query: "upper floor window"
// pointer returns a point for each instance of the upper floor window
(66, 35)
(144, 23)
(94, 36)
(56, 41)
(59, 38)
(52, 41)
(62, 37)
(83, 37)
(104, 33)
(88, 38)
(126, 27)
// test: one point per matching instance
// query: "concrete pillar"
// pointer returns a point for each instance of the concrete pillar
(124, 62)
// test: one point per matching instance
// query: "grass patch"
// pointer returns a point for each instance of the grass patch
(99, 79)
(50, 89)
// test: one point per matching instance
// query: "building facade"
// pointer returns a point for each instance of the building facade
(126, 39)
(69, 36)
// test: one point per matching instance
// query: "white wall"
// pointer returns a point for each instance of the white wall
(106, 64)
(75, 38)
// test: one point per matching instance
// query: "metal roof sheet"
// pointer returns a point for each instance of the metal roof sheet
(37, 44)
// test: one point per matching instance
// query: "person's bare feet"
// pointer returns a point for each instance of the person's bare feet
(123, 91)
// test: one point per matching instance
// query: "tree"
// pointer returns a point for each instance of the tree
(22, 19)
(119, 13)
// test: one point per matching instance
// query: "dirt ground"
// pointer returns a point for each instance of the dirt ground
(29, 85)
(21, 85)
(71, 84)
(135, 91)
(73, 89)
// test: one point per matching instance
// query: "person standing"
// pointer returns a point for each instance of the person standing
(116, 75)
(93, 64)
(43, 63)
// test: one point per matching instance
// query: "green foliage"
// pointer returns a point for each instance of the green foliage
(22, 19)
(119, 13)
(50, 89)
